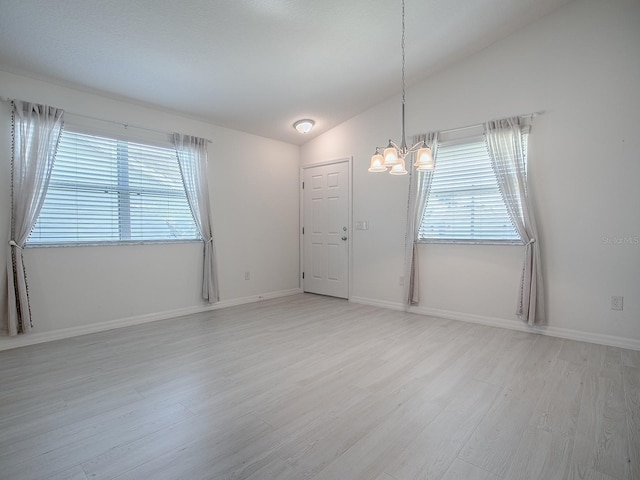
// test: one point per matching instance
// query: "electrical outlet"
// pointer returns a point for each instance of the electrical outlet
(616, 303)
(247, 275)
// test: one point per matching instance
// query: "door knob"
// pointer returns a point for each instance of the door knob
(344, 238)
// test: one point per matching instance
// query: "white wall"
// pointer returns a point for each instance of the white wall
(254, 196)
(581, 65)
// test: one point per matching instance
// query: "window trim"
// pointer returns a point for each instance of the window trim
(126, 136)
(469, 242)
(462, 140)
(119, 243)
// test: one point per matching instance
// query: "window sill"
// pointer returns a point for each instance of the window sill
(471, 242)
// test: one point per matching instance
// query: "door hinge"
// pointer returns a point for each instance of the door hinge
(303, 230)
(303, 275)
(303, 185)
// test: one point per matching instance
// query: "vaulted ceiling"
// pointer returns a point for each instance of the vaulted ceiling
(251, 65)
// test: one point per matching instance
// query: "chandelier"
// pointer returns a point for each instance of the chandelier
(393, 156)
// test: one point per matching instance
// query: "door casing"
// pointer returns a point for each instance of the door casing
(349, 163)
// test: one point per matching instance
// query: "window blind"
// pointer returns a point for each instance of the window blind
(109, 190)
(465, 204)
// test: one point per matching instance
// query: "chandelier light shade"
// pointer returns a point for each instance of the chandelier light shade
(424, 159)
(304, 126)
(377, 163)
(399, 168)
(393, 156)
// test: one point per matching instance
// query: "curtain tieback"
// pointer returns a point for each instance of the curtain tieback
(14, 244)
(533, 240)
(210, 240)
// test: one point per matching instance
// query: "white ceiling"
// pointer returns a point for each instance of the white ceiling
(250, 65)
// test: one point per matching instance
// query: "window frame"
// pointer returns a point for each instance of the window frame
(123, 136)
(469, 138)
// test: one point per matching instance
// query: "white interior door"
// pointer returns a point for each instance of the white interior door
(326, 230)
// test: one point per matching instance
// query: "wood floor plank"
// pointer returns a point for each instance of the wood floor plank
(631, 379)
(288, 441)
(460, 470)
(140, 455)
(385, 476)
(137, 415)
(74, 473)
(58, 456)
(205, 455)
(559, 405)
(462, 366)
(630, 358)
(17, 425)
(575, 352)
(446, 353)
(541, 454)
(277, 469)
(589, 474)
(431, 454)
(354, 424)
(604, 357)
(601, 441)
(495, 441)
(369, 457)
(508, 348)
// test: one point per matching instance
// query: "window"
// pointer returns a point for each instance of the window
(109, 190)
(465, 204)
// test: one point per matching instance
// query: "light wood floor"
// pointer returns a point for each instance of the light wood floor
(308, 387)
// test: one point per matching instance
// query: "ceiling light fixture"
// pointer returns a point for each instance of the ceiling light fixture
(304, 126)
(392, 155)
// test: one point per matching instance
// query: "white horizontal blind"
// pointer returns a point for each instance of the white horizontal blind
(108, 190)
(465, 204)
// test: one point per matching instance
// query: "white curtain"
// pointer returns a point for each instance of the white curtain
(192, 158)
(36, 133)
(506, 148)
(419, 187)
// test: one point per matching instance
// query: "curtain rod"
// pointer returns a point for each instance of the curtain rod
(478, 125)
(125, 125)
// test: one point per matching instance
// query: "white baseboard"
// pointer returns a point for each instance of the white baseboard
(377, 303)
(254, 298)
(567, 333)
(7, 342)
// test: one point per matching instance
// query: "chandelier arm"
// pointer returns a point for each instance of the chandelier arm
(392, 143)
(416, 147)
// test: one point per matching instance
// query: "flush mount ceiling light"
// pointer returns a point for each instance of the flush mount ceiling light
(304, 126)
(392, 155)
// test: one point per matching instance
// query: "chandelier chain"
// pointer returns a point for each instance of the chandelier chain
(402, 44)
(393, 155)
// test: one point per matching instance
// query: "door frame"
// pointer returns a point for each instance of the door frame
(303, 168)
